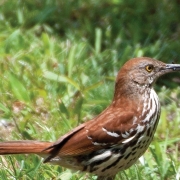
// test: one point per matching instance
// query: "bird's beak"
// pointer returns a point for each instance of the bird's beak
(168, 68)
(173, 67)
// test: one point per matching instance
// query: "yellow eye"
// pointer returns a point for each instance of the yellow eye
(149, 68)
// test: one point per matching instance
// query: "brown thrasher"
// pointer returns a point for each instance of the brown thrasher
(116, 138)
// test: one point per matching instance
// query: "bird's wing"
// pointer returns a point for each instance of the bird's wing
(107, 129)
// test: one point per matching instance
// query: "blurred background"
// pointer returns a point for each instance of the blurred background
(58, 62)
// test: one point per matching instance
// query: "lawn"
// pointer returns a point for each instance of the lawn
(58, 63)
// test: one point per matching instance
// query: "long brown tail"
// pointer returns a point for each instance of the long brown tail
(24, 147)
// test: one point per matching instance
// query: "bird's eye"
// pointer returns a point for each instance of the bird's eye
(149, 68)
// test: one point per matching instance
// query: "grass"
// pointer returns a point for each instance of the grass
(58, 62)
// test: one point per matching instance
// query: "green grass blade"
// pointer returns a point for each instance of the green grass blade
(18, 88)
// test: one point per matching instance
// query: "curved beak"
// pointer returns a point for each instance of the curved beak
(173, 67)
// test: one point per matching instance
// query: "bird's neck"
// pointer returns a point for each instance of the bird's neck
(131, 91)
(142, 100)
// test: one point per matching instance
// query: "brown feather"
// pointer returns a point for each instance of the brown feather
(90, 136)
(24, 147)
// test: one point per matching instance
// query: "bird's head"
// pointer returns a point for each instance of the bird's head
(141, 72)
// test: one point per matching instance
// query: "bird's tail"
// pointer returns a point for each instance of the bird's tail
(24, 147)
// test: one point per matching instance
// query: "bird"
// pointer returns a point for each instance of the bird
(116, 138)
